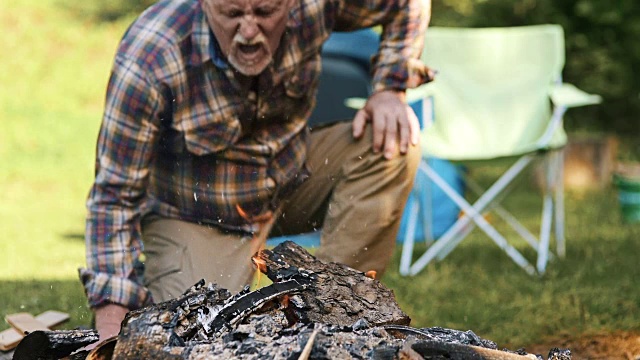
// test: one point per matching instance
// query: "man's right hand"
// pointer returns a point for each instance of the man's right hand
(108, 320)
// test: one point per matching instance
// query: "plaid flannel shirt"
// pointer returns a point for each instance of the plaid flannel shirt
(181, 138)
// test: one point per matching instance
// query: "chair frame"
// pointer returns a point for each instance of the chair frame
(472, 214)
(553, 204)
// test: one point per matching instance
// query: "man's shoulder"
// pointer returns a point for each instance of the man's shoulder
(160, 28)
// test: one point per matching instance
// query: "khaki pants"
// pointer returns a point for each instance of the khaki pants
(355, 196)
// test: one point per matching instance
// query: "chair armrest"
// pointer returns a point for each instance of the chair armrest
(356, 103)
(419, 93)
(569, 96)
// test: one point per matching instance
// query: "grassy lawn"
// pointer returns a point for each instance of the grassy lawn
(51, 100)
(50, 106)
(594, 289)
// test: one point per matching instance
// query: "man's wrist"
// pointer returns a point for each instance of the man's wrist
(110, 313)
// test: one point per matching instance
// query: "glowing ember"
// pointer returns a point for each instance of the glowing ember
(371, 274)
(284, 301)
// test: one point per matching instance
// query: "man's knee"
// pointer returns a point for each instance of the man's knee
(401, 167)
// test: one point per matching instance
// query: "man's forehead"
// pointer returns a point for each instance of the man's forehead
(245, 3)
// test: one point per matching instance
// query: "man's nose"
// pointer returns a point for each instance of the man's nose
(249, 27)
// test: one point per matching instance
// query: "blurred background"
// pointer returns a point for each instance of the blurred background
(601, 44)
(53, 72)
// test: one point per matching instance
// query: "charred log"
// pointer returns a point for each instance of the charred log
(559, 354)
(443, 335)
(313, 310)
(175, 328)
(53, 344)
(340, 296)
(151, 332)
(213, 324)
(455, 351)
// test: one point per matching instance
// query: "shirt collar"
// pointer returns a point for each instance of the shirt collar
(204, 44)
(216, 53)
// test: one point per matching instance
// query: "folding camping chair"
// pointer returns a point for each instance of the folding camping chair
(498, 94)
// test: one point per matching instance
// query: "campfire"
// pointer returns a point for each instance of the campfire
(312, 310)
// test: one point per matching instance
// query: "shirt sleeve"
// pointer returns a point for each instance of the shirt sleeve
(397, 64)
(125, 145)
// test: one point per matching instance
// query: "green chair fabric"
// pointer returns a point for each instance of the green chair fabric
(498, 93)
(492, 91)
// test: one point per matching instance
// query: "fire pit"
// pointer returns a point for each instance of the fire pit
(312, 310)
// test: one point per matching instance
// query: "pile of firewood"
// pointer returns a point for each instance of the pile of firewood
(312, 310)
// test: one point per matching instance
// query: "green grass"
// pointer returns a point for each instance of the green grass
(594, 289)
(36, 296)
(50, 106)
(53, 80)
(50, 102)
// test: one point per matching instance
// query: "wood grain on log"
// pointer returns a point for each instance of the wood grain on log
(341, 295)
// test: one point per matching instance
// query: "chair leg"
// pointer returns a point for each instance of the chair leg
(506, 216)
(455, 235)
(553, 208)
(426, 205)
(437, 246)
(514, 254)
(409, 238)
(545, 232)
(486, 199)
(457, 238)
(474, 213)
(443, 241)
(518, 227)
(559, 199)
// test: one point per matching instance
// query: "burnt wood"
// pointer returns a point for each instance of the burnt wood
(341, 295)
(236, 310)
(313, 310)
(152, 332)
(173, 329)
(430, 349)
(47, 345)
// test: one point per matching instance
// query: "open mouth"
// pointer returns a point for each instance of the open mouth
(249, 49)
(250, 58)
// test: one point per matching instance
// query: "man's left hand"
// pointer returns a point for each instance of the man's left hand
(393, 121)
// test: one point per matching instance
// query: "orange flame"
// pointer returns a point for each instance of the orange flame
(242, 213)
(261, 267)
(265, 222)
(263, 218)
(284, 301)
(259, 263)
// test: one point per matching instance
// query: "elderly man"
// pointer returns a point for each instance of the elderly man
(204, 146)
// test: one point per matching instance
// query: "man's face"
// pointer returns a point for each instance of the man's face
(248, 31)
